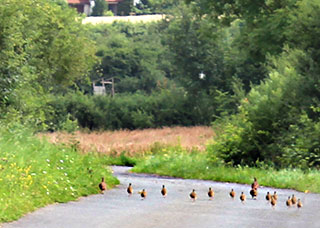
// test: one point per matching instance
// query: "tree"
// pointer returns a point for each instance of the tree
(99, 8)
(131, 54)
(44, 47)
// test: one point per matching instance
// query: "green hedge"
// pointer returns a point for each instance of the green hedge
(130, 111)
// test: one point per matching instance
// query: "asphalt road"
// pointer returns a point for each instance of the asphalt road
(116, 209)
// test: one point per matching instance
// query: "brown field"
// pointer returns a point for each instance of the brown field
(137, 141)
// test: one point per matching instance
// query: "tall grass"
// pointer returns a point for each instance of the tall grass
(34, 173)
(177, 162)
(136, 142)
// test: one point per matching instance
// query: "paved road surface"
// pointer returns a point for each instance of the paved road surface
(116, 209)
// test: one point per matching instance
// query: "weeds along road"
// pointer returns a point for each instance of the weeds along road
(116, 209)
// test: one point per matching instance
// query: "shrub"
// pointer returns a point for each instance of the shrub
(166, 107)
(257, 132)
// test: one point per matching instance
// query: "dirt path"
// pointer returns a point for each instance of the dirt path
(116, 209)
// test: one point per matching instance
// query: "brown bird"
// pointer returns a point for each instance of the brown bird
(102, 185)
(299, 204)
(268, 196)
(255, 184)
(293, 199)
(275, 196)
(193, 195)
(232, 193)
(254, 193)
(242, 197)
(143, 194)
(273, 201)
(129, 189)
(164, 191)
(289, 202)
(211, 193)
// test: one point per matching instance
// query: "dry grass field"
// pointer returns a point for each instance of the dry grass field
(137, 141)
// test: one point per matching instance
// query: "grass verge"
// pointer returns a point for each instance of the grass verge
(177, 162)
(34, 173)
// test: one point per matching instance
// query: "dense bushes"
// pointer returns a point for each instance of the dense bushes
(131, 111)
(272, 125)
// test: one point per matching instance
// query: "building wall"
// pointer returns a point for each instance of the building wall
(87, 9)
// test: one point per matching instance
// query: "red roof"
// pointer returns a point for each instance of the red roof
(78, 1)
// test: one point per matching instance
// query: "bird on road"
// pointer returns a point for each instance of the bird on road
(299, 204)
(273, 201)
(242, 197)
(102, 185)
(232, 193)
(293, 199)
(143, 193)
(164, 191)
(289, 202)
(255, 184)
(275, 196)
(129, 189)
(211, 193)
(254, 193)
(193, 195)
(268, 196)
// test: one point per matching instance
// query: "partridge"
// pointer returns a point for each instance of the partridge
(102, 185)
(275, 196)
(273, 201)
(242, 197)
(211, 193)
(255, 184)
(268, 196)
(193, 195)
(232, 193)
(299, 204)
(293, 199)
(164, 191)
(254, 193)
(143, 194)
(129, 189)
(289, 202)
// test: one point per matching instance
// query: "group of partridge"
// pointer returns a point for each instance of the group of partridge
(272, 198)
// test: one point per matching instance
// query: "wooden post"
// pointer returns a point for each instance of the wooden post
(112, 91)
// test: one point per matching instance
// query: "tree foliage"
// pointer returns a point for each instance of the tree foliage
(278, 121)
(100, 7)
(43, 48)
(132, 54)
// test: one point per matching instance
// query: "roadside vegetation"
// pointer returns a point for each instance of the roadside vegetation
(35, 173)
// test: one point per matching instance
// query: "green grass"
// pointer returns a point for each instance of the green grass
(177, 162)
(34, 173)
